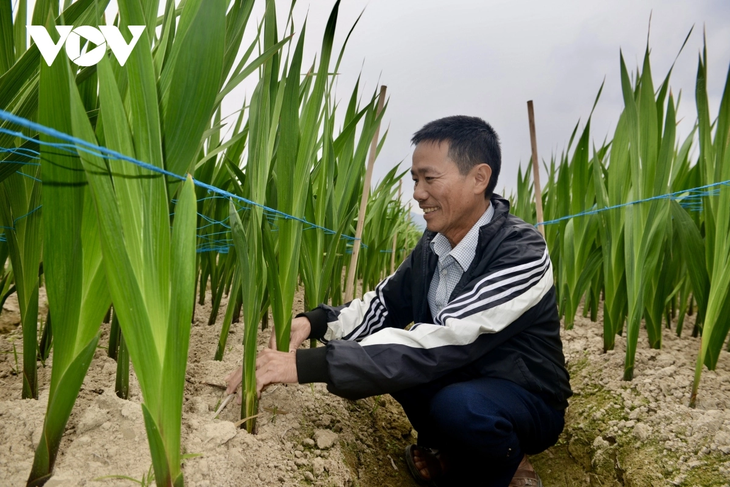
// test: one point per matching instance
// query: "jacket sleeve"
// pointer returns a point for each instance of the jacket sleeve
(515, 280)
(389, 305)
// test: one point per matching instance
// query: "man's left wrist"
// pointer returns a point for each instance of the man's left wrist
(311, 365)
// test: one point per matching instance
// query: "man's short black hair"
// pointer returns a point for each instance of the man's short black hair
(471, 140)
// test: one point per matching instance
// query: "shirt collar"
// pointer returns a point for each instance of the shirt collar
(465, 250)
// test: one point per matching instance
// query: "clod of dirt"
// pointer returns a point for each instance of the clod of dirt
(325, 439)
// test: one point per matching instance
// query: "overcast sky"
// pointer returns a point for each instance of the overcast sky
(487, 58)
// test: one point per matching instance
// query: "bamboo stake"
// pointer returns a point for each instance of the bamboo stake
(350, 286)
(535, 169)
(395, 234)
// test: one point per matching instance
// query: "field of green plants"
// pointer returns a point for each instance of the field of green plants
(126, 195)
(102, 214)
(640, 225)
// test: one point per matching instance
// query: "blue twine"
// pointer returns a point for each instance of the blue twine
(76, 144)
(23, 216)
(22, 163)
(219, 249)
(21, 151)
(668, 196)
(687, 198)
(28, 176)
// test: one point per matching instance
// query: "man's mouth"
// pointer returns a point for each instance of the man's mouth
(430, 209)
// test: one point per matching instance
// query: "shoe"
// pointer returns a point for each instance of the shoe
(525, 476)
(433, 462)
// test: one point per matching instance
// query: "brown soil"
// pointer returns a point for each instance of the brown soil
(306, 435)
(10, 313)
(639, 433)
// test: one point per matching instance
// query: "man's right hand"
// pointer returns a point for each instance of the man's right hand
(300, 329)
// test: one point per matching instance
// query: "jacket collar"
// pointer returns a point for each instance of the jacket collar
(501, 212)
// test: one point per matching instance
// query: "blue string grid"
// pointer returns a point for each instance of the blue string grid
(215, 239)
(690, 199)
(212, 233)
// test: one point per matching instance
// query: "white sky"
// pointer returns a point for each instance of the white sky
(487, 58)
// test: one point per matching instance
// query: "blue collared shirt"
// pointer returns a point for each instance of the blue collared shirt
(452, 263)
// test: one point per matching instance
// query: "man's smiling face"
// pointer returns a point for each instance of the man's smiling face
(451, 202)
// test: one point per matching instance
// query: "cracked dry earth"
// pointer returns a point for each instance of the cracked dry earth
(638, 433)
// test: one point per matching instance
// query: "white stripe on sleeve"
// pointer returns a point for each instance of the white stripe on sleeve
(486, 295)
(463, 331)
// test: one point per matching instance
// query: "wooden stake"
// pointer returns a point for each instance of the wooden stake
(395, 235)
(350, 286)
(535, 169)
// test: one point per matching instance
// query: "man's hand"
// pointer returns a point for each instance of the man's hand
(233, 380)
(274, 367)
(300, 329)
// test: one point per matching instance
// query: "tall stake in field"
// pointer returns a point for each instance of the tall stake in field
(350, 150)
(336, 180)
(319, 249)
(535, 168)
(385, 215)
(395, 234)
(350, 287)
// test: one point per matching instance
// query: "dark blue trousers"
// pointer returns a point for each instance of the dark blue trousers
(483, 425)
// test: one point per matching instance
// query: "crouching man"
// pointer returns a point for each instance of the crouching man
(480, 371)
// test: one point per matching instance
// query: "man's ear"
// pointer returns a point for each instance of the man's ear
(482, 175)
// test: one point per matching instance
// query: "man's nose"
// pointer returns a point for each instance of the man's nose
(419, 194)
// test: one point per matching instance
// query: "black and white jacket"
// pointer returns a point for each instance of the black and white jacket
(501, 321)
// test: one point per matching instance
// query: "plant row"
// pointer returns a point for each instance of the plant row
(252, 211)
(642, 222)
